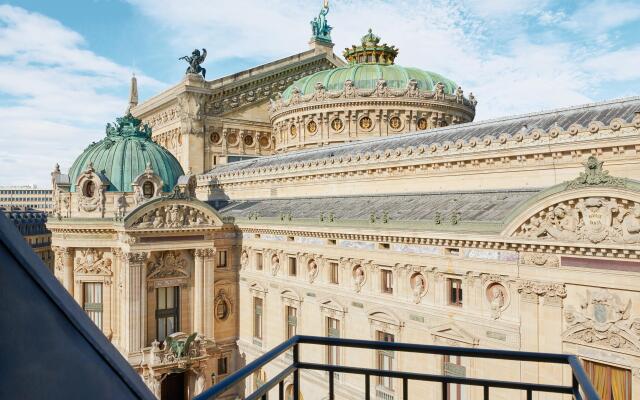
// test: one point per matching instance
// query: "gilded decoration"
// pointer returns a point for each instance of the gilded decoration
(173, 216)
(92, 261)
(337, 124)
(395, 123)
(422, 124)
(168, 264)
(312, 127)
(293, 131)
(366, 123)
(603, 319)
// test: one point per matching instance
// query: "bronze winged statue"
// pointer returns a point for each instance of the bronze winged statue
(195, 59)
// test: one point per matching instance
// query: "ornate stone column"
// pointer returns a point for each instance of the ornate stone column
(200, 286)
(67, 274)
(225, 145)
(208, 292)
(134, 290)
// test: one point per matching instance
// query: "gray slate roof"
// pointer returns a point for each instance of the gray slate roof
(479, 207)
(583, 115)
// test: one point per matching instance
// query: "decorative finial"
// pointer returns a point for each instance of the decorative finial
(320, 28)
(370, 51)
(194, 61)
(133, 94)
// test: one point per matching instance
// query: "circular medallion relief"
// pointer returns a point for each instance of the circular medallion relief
(264, 141)
(395, 123)
(418, 286)
(313, 270)
(366, 123)
(312, 127)
(248, 140)
(498, 298)
(337, 124)
(422, 124)
(293, 130)
(214, 137)
(222, 310)
(358, 277)
(233, 139)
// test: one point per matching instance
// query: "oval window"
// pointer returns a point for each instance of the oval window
(147, 190)
(89, 189)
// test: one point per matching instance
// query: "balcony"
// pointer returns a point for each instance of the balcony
(581, 388)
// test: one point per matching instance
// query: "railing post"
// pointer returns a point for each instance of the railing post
(485, 394)
(296, 372)
(331, 395)
(281, 390)
(405, 389)
(445, 391)
(367, 387)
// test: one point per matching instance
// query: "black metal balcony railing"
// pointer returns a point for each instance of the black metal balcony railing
(580, 389)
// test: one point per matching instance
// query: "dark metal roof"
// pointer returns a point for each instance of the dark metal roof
(481, 206)
(583, 115)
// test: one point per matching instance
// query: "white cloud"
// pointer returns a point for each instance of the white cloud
(56, 95)
(597, 17)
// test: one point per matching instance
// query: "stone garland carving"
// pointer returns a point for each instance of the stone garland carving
(92, 261)
(169, 264)
(603, 320)
(173, 216)
(540, 259)
(382, 90)
(418, 287)
(591, 219)
(223, 305)
(552, 292)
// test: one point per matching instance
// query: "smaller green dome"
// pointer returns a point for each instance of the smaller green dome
(124, 154)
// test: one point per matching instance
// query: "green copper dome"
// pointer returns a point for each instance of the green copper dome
(123, 155)
(366, 76)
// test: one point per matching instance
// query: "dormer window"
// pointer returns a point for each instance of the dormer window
(148, 189)
(89, 189)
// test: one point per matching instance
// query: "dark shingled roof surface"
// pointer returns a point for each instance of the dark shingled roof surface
(482, 206)
(583, 115)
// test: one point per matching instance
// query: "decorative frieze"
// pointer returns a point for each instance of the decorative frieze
(173, 216)
(540, 259)
(553, 293)
(92, 261)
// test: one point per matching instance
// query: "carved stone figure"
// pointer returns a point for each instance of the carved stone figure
(244, 259)
(349, 89)
(419, 287)
(439, 91)
(275, 265)
(358, 278)
(169, 264)
(223, 305)
(497, 296)
(121, 205)
(194, 61)
(172, 216)
(92, 261)
(312, 269)
(320, 28)
(630, 226)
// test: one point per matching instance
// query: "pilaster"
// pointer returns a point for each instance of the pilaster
(134, 290)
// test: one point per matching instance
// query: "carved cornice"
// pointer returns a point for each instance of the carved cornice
(205, 253)
(135, 257)
(553, 293)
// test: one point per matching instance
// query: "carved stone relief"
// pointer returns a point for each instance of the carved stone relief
(498, 298)
(603, 320)
(540, 259)
(312, 270)
(173, 216)
(418, 287)
(223, 305)
(359, 277)
(92, 261)
(275, 264)
(553, 293)
(168, 264)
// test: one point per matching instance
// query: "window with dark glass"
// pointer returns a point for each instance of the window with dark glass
(385, 360)
(386, 280)
(292, 321)
(167, 315)
(92, 301)
(293, 266)
(89, 189)
(148, 189)
(257, 318)
(259, 261)
(333, 273)
(455, 292)
(223, 366)
(222, 259)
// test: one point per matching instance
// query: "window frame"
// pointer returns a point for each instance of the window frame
(386, 281)
(457, 299)
(258, 320)
(95, 310)
(292, 265)
(162, 315)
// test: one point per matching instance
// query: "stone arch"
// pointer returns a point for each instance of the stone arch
(165, 212)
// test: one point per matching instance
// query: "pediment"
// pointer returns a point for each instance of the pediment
(454, 335)
(166, 213)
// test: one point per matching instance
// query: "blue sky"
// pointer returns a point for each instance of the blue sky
(65, 64)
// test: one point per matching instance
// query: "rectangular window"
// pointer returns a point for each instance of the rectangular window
(455, 292)
(167, 315)
(259, 261)
(610, 382)
(454, 390)
(333, 330)
(292, 321)
(92, 304)
(222, 259)
(333, 273)
(386, 280)
(257, 318)
(385, 360)
(293, 266)
(223, 366)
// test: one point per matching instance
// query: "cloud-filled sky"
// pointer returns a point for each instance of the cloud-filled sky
(65, 64)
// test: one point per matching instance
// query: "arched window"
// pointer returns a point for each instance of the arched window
(89, 189)
(147, 190)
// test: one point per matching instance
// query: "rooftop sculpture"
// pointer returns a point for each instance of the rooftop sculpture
(194, 61)
(319, 26)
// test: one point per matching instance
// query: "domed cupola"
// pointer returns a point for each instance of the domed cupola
(370, 97)
(127, 160)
